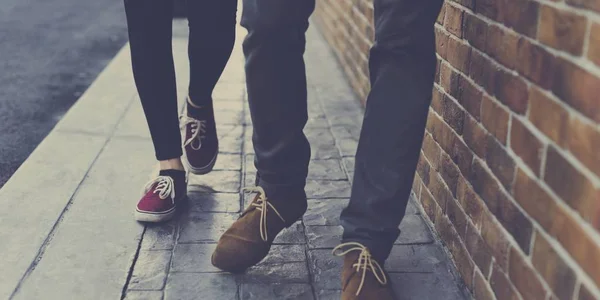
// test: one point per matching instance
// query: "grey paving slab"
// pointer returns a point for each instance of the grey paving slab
(235, 131)
(134, 122)
(324, 212)
(229, 117)
(35, 196)
(276, 291)
(329, 169)
(329, 295)
(320, 237)
(413, 230)
(228, 162)
(193, 258)
(204, 227)
(284, 264)
(214, 202)
(218, 181)
(150, 271)
(159, 236)
(144, 295)
(346, 132)
(319, 189)
(325, 269)
(97, 232)
(415, 258)
(197, 286)
(347, 147)
(425, 286)
(291, 235)
(348, 163)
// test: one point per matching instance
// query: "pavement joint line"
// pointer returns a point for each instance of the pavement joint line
(40, 254)
(132, 266)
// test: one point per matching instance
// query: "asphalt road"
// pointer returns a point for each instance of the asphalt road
(50, 52)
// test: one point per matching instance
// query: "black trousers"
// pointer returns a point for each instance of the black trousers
(402, 66)
(212, 35)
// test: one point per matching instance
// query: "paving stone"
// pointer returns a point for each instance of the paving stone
(324, 212)
(325, 269)
(285, 263)
(319, 136)
(346, 132)
(417, 286)
(347, 147)
(229, 90)
(229, 117)
(229, 131)
(291, 235)
(415, 258)
(216, 181)
(329, 169)
(323, 236)
(134, 122)
(204, 227)
(193, 258)
(276, 291)
(413, 230)
(231, 145)
(348, 163)
(194, 286)
(159, 236)
(144, 295)
(411, 208)
(339, 118)
(150, 270)
(319, 189)
(214, 202)
(228, 105)
(317, 122)
(329, 294)
(231, 162)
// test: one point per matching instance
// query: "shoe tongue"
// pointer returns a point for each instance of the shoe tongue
(175, 174)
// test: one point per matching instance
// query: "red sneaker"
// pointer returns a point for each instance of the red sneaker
(201, 144)
(162, 195)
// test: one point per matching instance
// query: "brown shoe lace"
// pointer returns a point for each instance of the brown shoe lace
(262, 205)
(365, 262)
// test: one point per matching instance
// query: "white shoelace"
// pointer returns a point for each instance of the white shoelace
(262, 205)
(365, 262)
(198, 131)
(165, 187)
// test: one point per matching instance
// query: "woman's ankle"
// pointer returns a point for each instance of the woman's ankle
(171, 164)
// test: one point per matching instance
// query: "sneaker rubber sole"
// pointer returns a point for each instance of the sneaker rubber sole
(202, 170)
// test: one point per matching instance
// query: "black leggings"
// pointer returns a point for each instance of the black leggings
(212, 35)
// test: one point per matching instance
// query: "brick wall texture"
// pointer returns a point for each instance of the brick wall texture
(509, 173)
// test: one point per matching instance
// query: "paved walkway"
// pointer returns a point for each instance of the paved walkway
(67, 229)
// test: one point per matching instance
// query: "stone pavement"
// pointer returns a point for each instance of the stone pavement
(67, 226)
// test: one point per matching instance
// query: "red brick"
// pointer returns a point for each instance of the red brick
(469, 97)
(423, 169)
(553, 268)
(478, 249)
(458, 54)
(585, 294)
(436, 100)
(594, 43)
(501, 285)
(524, 277)
(500, 162)
(430, 207)
(475, 31)
(591, 4)
(432, 151)
(475, 136)
(449, 172)
(512, 91)
(459, 253)
(473, 206)
(482, 290)
(521, 16)
(562, 30)
(495, 119)
(488, 8)
(442, 15)
(581, 246)
(535, 63)
(437, 71)
(449, 141)
(466, 3)
(485, 185)
(483, 71)
(534, 200)
(583, 141)
(502, 46)
(454, 19)
(496, 240)
(526, 145)
(449, 79)
(457, 217)
(437, 187)
(453, 114)
(578, 88)
(514, 221)
(548, 116)
(572, 186)
(441, 42)
(416, 187)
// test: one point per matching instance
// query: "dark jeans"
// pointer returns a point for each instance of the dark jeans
(402, 66)
(212, 35)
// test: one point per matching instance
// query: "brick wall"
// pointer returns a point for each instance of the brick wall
(509, 173)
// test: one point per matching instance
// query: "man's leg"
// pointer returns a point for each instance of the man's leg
(276, 83)
(402, 67)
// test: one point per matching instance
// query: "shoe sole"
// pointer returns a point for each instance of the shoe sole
(202, 170)
(153, 217)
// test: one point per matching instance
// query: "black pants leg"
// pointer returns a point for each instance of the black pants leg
(150, 36)
(276, 83)
(402, 66)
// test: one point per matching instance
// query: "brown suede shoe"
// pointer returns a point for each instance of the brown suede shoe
(363, 278)
(249, 239)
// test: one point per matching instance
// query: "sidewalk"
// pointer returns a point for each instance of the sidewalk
(67, 228)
